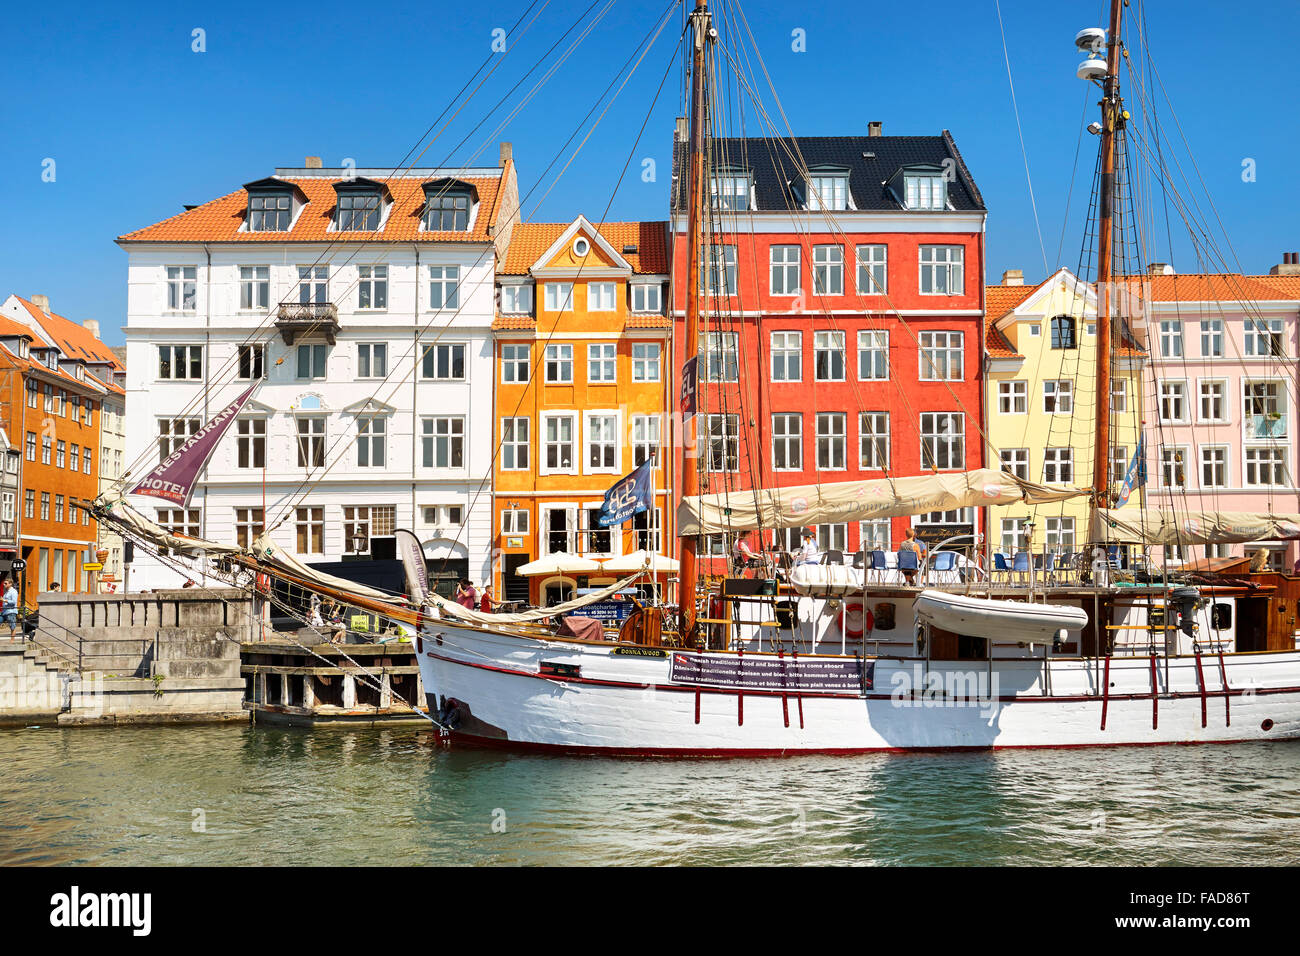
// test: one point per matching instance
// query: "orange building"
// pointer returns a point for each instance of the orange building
(50, 407)
(582, 358)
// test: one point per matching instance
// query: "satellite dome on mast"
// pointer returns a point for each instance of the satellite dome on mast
(1092, 40)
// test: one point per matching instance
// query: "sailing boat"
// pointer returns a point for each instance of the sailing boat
(737, 671)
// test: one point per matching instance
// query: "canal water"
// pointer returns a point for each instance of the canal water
(343, 797)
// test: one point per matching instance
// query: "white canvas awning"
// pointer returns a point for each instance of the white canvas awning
(1155, 526)
(639, 560)
(860, 501)
(559, 562)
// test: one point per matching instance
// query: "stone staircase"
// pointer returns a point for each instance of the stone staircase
(159, 657)
(34, 686)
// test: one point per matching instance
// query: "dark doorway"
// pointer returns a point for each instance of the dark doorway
(514, 584)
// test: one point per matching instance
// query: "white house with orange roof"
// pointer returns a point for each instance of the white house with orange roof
(362, 300)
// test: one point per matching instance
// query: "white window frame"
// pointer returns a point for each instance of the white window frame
(602, 363)
(946, 261)
(516, 363)
(516, 299)
(1015, 461)
(1058, 397)
(647, 298)
(558, 296)
(602, 296)
(546, 444)
(873, 269)
(787, 440)
(609, 441)
(1219, 459)
(444, 287)
(781, 267)
(835, 443)
(828, 269)
(934, 437)
(559, 356)
(1058, 466)
(182, 288)
(873, 441)
(516, 434)
(948, 345)
(1013, 397)
(830, 344)
(647, 358)
(1222, 385)
(780, 348)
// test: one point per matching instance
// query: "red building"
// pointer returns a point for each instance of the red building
(844, 333)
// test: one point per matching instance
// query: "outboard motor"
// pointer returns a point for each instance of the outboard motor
(1186, 600)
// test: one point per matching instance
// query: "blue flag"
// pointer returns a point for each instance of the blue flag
(631, 494)
(1136, 476)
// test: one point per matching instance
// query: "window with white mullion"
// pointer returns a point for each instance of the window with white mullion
(313, 285)
(942, 270)
(182, 288)
(558, 442)
(602, 364)
(832, 440)
(1173, 402)
(942, 356)
(371, 442)
(828, 356)
(646, 439)
(515, 444)
(943, 441)
(1058, 397)
(1015, 461)
(1058, 466)
(1173, 466)
(787, 442)
(873, 270)
(787, 356)
(1214, 466)
(873, 441)
(1265, 467)
(1013, 398)
(785, 266)
(828, 270)
(516, 363)
(602, 442)
(873, 355)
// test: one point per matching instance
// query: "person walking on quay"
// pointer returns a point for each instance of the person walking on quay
(9, 606)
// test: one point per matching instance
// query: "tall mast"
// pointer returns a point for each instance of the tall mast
(700, 35)
(1111, 119)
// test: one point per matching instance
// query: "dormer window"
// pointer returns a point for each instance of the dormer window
(925, 190)
(448, 206)
(269, 212)
(360, 205)
(271, 205)
(358, 212)
(730, 192)
(447, 213)
(828, 190)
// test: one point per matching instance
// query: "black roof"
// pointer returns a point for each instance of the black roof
(871, 162)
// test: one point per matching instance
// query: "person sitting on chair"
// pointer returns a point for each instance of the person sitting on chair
(809, 554)
(744, 556)
(912, 543)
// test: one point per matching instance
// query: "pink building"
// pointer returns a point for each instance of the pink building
(1220, 403)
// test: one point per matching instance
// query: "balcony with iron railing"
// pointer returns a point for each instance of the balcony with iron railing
(307, 318)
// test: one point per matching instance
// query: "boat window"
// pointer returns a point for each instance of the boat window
(1221, 616)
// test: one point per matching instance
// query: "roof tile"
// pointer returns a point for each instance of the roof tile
(531, 239)
(221, 219)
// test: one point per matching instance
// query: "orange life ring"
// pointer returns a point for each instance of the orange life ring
(853, 622)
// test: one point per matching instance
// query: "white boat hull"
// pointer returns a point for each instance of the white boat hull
(489, 686)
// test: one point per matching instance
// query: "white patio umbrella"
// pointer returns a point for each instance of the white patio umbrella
(559, 562)
(639, 559)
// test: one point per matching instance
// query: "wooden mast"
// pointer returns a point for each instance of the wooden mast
(700, 35)
(1111, 119)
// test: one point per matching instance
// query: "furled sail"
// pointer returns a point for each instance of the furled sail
(1154, 526)
(176, 475)
(844, 501)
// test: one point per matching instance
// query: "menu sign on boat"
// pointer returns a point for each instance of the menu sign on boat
(794, 675)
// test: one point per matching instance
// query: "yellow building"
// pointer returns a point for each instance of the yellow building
(582, 357)
(1040, 346)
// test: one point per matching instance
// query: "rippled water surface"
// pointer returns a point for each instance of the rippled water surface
(367, 796)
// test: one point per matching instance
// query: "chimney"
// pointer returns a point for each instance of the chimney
(506, 152)
(1159, 269)
(312, 162)
(1290, 265)
(41, 302)
(683, 130)
(1013, 277)
(875, 127)
(93, 326)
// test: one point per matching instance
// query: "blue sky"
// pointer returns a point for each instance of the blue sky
(138, 124)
